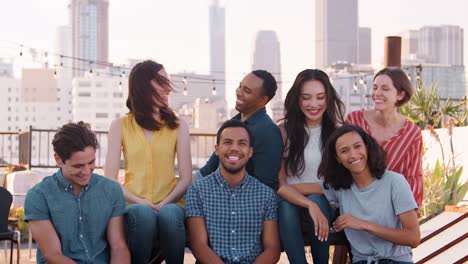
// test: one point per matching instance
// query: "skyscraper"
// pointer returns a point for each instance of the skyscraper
(365, 46)
(89, 20)
(218, 46)
(267, 56)
(336, 32)
(441, 44)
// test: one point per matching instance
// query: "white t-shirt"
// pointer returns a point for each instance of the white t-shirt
(380, 202)
(312, 158)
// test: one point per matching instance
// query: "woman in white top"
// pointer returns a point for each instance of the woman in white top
(313, 111)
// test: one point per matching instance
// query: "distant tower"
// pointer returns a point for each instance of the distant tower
(441, 44)
(365, 46)
(218, 47)
(267, 56)
(336, 32)
(89, 20)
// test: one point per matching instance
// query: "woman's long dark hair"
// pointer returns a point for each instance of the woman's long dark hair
(295, 121)
(338, 176)
(142, 96)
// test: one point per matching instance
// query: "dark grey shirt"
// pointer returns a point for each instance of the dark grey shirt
(267, 146)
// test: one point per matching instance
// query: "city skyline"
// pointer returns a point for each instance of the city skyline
(176, 33)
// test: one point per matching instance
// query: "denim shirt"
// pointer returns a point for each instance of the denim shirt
(265, 162)
(234, 217)
(80, 221)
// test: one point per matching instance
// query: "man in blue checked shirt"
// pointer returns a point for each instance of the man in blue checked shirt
(231, 216)
(76, 216)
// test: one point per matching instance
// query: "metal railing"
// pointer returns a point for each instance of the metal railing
(33, 148)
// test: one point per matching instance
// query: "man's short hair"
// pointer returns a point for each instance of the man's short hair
(73, 137)
(233, 123)
(269, 83)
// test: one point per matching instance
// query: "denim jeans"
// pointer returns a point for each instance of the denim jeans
(145, 228)
(289, 218)
(383, 261)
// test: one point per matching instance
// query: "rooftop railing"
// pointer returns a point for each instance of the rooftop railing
(33, 148)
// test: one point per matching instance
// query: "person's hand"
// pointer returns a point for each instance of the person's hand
(321, 228)
(158, 207)
(348, 221)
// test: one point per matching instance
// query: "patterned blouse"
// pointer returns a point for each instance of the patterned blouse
(404, 151)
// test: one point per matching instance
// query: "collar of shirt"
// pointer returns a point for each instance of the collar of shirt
(64, 184)
(223, 183)
(257, 116)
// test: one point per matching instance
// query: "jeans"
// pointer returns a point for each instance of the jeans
(383, 261)
(145, 228)
(289, 218)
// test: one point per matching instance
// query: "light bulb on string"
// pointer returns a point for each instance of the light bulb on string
(355, 86)
(55, 73)
(184, 81)
(120, 86)
(214, 88)
(61, 61)
(90, 69)
(21, 51)
(46, 60)
(361, 80)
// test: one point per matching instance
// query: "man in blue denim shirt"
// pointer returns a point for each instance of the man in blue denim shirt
(231, 216)
(76, 216)
(254, 92)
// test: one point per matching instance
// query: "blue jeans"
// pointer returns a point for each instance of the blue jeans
(289, 218)
(145, 228)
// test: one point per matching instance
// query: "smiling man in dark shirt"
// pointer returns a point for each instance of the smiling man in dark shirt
(255, 90)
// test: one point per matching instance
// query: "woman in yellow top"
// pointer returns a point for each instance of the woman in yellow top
(150, 136)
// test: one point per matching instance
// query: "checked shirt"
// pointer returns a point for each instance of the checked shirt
(233, 216)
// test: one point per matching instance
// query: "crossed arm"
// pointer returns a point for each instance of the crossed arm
(48, 241)
(204, 254)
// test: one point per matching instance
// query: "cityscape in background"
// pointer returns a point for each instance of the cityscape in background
(76, 81)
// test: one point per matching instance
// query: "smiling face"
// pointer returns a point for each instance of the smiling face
(313, 102)
(384, 94)
(249, 95)
(351, 151)
(234, 149)
(78, 169)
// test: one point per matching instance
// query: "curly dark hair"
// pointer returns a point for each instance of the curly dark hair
(295, 121)
(142, 96)
(73, 137)
(335, 174)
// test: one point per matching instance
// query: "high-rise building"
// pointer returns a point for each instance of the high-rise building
(336, 32)
(89, 22)
(365, 46)
(434, 45)
(218, 46)
(267, 56)
(99, 100)
(409, 44)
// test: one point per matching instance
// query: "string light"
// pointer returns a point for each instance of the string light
(184, 81)
(21, 51)
(55, 73)
(90, 69)
(355, 88)
(120, 86)
(214, 88)
(361, 80)
(61, 61)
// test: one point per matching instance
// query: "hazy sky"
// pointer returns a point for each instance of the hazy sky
(175, 32)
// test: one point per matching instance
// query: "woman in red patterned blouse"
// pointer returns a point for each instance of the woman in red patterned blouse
(401, 139)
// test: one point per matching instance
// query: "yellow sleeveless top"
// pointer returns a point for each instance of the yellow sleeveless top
(149, 166)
